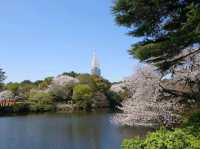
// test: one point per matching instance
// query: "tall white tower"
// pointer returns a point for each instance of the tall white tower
(95, 66)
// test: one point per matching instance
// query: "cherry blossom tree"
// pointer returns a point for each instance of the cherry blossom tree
(145, 106)
(62, 86)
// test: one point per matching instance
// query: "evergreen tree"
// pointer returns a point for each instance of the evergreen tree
(2, 78)
(2, 75)
(167, 27)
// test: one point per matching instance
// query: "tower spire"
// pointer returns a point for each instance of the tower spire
(95, 70)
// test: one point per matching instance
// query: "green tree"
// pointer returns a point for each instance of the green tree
(166, 27)
(101, 84)
(13, 87)
(62, 93)
(82, 96)
(2, 78)
(24, 89)
(72, 74)
(115, 99)
(40, 101)
(43, 84)
(2, 75)
(27, 82)
(95, 82)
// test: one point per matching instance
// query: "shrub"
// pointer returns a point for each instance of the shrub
(164, 139)
(20, 107)
(13, 87)
(24, 89)
(193, 124)
(40, 101)
(132, 143)
(82, 96)
(61, 93)
(41, 108)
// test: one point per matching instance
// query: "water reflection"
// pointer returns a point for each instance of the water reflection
(61, 131)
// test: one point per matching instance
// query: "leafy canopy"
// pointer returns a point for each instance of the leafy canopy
(40, 101)
(2, 78)
(40, 97)
(2, 75)
(82, 96)
(166, 27)
(95, 82)
(163, 139)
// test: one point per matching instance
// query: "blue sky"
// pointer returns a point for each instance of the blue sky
(40, 38)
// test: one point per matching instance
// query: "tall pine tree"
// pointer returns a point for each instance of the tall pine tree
(167, 27)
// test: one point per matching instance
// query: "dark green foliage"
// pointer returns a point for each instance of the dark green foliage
(26, 82)
(72, 74)
(166, 26)
(193, 124)
(2, 85)
(2, 78)
(2, 75)
(43, 84)
(114, 99)
(40, 108)
(21, 107)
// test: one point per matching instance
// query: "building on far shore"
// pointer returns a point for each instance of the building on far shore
(95, 65)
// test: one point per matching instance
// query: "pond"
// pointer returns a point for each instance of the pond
(64, 131)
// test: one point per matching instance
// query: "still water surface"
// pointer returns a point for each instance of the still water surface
(63, 131)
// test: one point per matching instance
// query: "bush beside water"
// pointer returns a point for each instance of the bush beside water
(187, 137)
